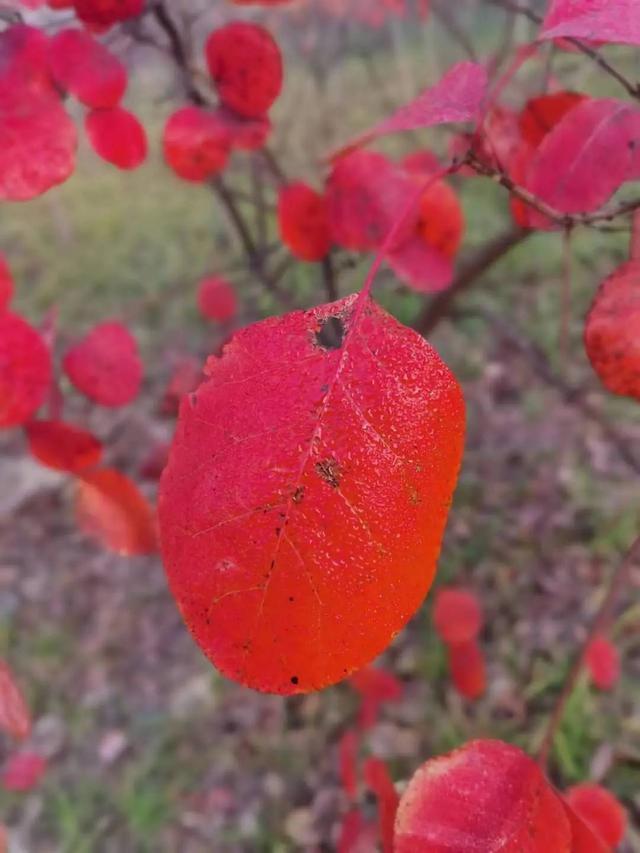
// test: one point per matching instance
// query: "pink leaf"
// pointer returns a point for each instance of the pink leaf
(593, 20)
(23, 771)
(457, 97)
(378, 779)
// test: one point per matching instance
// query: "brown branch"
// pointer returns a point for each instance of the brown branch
(470, 272)
(329, 277)
(617, 583)
(177, 50)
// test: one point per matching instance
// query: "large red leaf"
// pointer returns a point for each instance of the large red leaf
(23, 60)
(307, 490)
(246, 66)
(587, 156)
(105, 365)
(84, 67)
(15, 718)
(117, 136)
(63, 446)
(111, 508)
(486, 797)
(196, 144)
(600, 810)
(457, 97)
(25, 370)
(541, 114)
(593, 20)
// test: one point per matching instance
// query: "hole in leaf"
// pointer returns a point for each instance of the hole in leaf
(331, 333)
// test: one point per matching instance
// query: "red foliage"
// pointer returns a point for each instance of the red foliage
(593, 20)
(583, 838)
(117, 136)
(246, 66)
(15, 718)
(485, 797)
(356, 834)
(248, 134)
(111, 508)
(105, 365)
(602, 659)
(348, 763)
(600, 810)
(104, 13)
(87, 69)
(196, 144)
(377, 778)
(25, 370)
(543, 113)
(217, 299)
(376, 686)
(457, 615)
(612, 330)
(467, 666)
(23, 771)
(6, 284)
(23, 61)
(265, 508)
(304, 223)
(441, 221)
(63, 446)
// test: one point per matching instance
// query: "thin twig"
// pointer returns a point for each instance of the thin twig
(329, 277)
(617, 583)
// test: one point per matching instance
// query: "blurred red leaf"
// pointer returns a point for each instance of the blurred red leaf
(246, 66)
(84, 67)
(468, 671)
(602, 659)
(217, 299)
(376, 686)
(23, 771)
(105, 365)
(457, 97)
(304, 221)
(356, 834)
(186, 376)
(593, 20)
(248, 134)
(583, 838)
(6, 284)
(23, 61)
(540, 115)
(377, 778)
(457, 614)
(63, 446)
(289, 483)
(421, 266)
(196, 144)
(25, 370)
(600, 810)
(111, 508)
(485, 797)
(348, 763)
(117, 136)
(612, 331)
(104, 13)
(15, 718)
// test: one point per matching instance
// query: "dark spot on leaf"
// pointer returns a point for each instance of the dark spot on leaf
(298, 495)
(329, 471)
(278, 529)
(291, 598)
(331, 333)
(294, 679)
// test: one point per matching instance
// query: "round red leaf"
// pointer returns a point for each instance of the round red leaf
(25, 370)
(104, 13)
(467, 667)
(217, 299)
(304, 224)
(246, 66)
(23, 771)
(196, 144)
(248, 134)
(87, 69)
(541, 114)
(602, 659)
(600, 810)
(105, 365)
(23, 61)
(117, 136)
(63, 446)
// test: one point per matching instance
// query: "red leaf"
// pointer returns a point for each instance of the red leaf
(602, 659)
(23, 771)
(457, 97)
(217, 299)
(304, 222)
(486, 797)
(117, 136)
(366, 194)
(356, 834)
(348, 763)
(82, 66)
(247, 134)
(105, 365)
(420, 266)
(378, 779)
(543, 113)
(6, 284)
(23, 61)
(587, 156)
(593, 20)
(468, 671)
(375, 686)
(104, 13)
(63, 446)
(583, 838)
(246, 66)
(306, 493)
(457, 615)
(155, 461)
(186, 377)
(612, 331)
(196, 144)
(600, 810)
(25, 370)
(15, 718)
(111, 508)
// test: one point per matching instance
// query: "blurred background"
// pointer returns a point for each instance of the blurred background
(149, 749)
